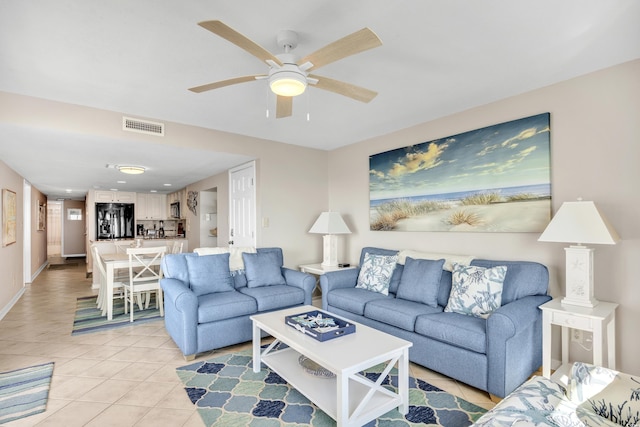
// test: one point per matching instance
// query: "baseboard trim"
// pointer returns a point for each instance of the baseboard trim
(5, 310)
(38, 271)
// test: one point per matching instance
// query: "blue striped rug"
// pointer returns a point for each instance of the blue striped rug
(90, 319)
(24, 392)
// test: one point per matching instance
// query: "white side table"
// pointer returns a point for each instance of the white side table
(318, 270)
(599, 320)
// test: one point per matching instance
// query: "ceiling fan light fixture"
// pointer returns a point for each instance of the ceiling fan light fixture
(131, 170)
(287, 83)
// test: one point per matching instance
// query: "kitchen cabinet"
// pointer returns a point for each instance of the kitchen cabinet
(102, 196)
(151, 206)
(178, 196)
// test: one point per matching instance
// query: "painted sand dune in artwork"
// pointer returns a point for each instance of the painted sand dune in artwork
(520, 216)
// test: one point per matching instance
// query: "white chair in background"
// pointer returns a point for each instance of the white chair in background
(118, 285)
(143, 277)
(176, 247)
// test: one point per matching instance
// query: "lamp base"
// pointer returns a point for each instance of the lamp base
(580, 302)
(579, 277)
(329, 250)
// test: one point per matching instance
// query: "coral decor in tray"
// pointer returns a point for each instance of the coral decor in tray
(320, 326)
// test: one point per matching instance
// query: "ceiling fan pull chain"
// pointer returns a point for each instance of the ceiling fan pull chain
(308, 107)
(267, 103)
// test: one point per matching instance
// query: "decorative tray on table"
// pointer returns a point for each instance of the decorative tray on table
(319, 325)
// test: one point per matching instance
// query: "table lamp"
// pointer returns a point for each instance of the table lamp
(330, 224)
(579, 222)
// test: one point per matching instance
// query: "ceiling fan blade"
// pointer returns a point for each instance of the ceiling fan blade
(229, 34)
(359, 41)
(223, 83)
(347, 89)
(284, 106)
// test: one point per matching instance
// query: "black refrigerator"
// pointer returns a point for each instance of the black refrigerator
(115, 221)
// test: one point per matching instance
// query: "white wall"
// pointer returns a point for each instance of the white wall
(595, 123)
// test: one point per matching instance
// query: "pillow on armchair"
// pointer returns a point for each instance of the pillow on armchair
(262, 269)
(604, 396)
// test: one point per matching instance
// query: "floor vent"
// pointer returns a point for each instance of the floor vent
(142, 126)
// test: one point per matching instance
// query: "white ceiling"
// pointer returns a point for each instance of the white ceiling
(139, 57)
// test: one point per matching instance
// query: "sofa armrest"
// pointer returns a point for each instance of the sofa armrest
(514, 343)
(301, 280)
(335, 280)
(180, 314)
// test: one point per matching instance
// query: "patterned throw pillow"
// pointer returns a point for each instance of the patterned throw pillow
(605, 397)
(376, 271)
(476, 291)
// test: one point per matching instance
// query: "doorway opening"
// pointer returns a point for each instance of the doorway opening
(209, 218)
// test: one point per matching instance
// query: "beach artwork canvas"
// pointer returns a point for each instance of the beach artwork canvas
(494, 179)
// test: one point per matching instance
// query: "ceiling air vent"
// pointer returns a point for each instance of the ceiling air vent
(142, 126)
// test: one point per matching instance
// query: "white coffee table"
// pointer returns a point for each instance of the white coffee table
(349, 398)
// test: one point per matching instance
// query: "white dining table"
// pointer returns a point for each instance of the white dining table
(113, 262)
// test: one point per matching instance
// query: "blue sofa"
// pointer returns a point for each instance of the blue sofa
(495, 354)
(208, 306)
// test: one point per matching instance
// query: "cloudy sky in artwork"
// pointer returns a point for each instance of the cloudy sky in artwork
(505, 155)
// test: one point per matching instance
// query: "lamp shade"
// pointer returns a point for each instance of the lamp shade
(330, 223)
(580, 222)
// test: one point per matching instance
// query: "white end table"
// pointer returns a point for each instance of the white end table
(599, 320)
(318, 270)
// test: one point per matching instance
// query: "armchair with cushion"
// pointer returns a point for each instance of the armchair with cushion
(208, 305)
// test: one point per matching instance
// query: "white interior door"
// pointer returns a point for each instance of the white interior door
(242, 205)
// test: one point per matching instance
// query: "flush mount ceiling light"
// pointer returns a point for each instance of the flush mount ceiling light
(287, 81)
(131, 170)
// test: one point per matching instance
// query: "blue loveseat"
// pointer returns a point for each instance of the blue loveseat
(495, 353)
(208, 306)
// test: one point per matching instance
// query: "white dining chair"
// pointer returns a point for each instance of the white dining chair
(176, 247)
(144, 278)
(118, 284)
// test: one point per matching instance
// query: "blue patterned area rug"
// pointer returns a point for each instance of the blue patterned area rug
(24, 392)
(227, 392)
(89, 319)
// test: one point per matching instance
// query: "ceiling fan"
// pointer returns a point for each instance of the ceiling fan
(289, 77)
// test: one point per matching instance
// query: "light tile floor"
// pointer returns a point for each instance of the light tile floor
(124, 377)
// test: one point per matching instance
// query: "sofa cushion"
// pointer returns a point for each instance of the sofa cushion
(456, 329)
(375, 273)
(397, 312)
(420, 281)
(352, 300)
(224, 305)
(262, 269)
(209, 273)
(174, 266)
(476, 291)
(274, 297)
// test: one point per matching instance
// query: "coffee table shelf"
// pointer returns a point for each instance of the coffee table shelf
(322, 391)
(349, 398)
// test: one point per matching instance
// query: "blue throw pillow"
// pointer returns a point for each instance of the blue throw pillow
(420, 281)
(262, 269)
(209, 274)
